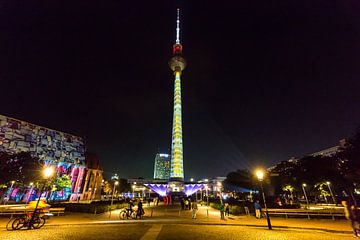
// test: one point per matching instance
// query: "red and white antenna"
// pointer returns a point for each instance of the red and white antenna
(178, 27)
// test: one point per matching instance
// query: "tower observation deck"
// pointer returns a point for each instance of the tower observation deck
(177, 64)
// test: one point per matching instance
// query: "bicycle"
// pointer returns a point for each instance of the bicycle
(127, 213)
(25, 221)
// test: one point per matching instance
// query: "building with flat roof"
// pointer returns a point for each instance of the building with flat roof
(162, 166)
(53, 148)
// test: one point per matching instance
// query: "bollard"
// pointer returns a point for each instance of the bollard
(151, 212)
(207, 213)
(95, 211)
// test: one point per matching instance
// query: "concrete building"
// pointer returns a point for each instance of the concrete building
(53, 148)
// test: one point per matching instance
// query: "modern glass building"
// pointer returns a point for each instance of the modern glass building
(162, 166)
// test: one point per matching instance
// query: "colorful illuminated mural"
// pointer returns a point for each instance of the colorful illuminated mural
(46, 144)
(64, 151)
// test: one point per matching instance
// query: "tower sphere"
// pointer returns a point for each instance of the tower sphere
(177, 63)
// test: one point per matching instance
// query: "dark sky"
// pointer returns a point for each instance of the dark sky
(266, 80)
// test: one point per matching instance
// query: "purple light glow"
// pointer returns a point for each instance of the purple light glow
(190, 189)
(158, 188)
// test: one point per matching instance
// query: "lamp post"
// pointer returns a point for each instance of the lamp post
(303, 188)
(8, 196)
(260, 176)
(48, 172)
(30, 193)
(112, 197)
(133, 188)
(219, 185)
(331, 193)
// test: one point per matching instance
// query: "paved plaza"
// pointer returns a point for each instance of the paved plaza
(169, 222)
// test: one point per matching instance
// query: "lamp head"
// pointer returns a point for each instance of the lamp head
(48, 172)
(260, 174)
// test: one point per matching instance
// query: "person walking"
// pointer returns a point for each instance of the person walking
(350, 214)
(227, 209)
(187, 206)
(140, 210)
(222, 210)
(194, 208)
(182, 204)
(257, 207)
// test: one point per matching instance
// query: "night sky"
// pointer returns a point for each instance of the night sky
(266, 80)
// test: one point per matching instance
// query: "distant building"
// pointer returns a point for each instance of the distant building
(162, 166)
(328, 152)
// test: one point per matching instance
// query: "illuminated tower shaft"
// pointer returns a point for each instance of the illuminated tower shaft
(177, 171)
(177, 63)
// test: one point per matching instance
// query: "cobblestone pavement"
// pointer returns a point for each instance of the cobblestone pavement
(166, 231)
(165, 221)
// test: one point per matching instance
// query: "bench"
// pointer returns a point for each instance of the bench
(57, 211)
(18, 211)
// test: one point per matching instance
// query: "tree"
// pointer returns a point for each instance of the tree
(62, 182)
(241, 178)
(21, 167)
(108, 187)
(289, 188)
(322, 191)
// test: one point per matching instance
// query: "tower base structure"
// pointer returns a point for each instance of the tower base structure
(175, 188)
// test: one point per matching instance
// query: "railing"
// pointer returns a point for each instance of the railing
(21, 209)
(329, 212)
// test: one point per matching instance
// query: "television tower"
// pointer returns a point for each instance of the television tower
(177, 64)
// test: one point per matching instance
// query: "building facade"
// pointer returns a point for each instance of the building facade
(64, 151)
(162, 166)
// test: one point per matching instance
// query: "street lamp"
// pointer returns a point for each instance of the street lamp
(303, 188)
(260, 176)
(47, 172)
(331, 193)
(112, 196)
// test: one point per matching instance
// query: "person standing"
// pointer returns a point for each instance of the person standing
(187, 204)
(257, 207)
(182, 204)
(227, 209)
(194, 208)
(222, 210)
(140, 210)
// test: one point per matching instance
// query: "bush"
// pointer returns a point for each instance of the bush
(94, 207)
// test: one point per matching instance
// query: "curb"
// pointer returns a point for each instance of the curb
(171, 221)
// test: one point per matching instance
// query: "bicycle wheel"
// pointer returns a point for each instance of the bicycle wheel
(9, 224)
(18, 223)
(123, 215)
(38, 222)
(133, 214)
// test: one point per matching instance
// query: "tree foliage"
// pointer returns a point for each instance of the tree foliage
(20, 167)
(62, 182)
(240, 178)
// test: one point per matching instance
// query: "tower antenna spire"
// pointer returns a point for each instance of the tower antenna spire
(178, 27)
